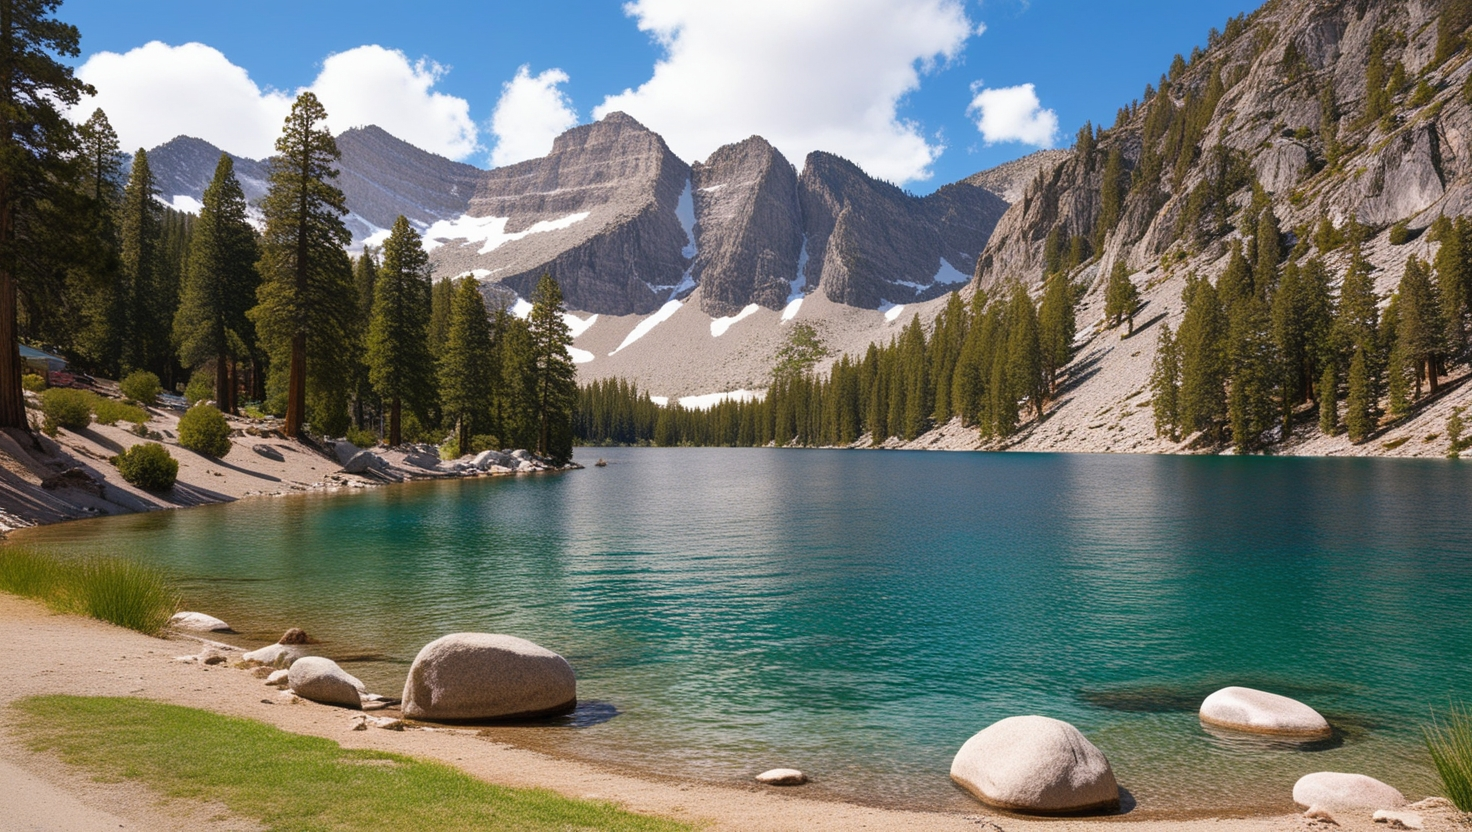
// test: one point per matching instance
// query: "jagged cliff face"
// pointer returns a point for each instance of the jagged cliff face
(1273, 112)
(382, 177)
(869, 243)
(184, 166)
(749, 227)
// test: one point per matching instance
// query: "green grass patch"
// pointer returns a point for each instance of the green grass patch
(293, 782)
(120, 591)
(1449, 739)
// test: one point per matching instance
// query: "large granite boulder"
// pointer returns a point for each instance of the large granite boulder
(478, 676)
(198, 622)
(1260, 712)
(1038, 765)
(321, 680)
(1335, 790)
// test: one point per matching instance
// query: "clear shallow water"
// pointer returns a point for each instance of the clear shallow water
(859, 615)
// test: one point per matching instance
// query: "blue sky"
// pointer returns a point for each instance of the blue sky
(897, 85)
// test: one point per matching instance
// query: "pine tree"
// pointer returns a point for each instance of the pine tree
(1111, 195)
(365, 279)
(141, 219)
(1024, 352)
(305, 273)
(467, 371)
(556, 377)
(1202, 340)
(1329, 401)
(400, 366)
(1165, 385)
(1451, 28)
(1359, 406)
(1253, 364)
(1420, 329)
(1057, 326)
(1121, 298)
(440, 300)
(219, 285)
(96, 284)
(35, 149)
(1268, 253)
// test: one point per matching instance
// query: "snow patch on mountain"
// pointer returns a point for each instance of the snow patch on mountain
(719, 326)
(643, 328)
(577, 326)
(490, 231)
(949, 274)
(709, 400)
(580, 356)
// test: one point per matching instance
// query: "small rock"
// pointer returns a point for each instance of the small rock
(321, 680)
(1336, 790)
(359, 723)
(295, 635)
(278, 678)
(1320, 814)
(268, 452)
(213, 659)
(275, 655)
(1398, 820)
(198, 622)
(1260, 712)
(782, 777)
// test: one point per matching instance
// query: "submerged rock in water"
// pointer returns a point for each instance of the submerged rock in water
(295, 635)
(1260, 712)
(1036, 764)
(198, 622)
(1336, 790)
(468, 676)
(782, 777)
(321, 680)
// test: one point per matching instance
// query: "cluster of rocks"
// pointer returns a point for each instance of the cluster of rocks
(1038, 765)
(424, 460)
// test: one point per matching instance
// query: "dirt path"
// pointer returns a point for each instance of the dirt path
(47, 653)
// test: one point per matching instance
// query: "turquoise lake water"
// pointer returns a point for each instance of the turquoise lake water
(859, 615)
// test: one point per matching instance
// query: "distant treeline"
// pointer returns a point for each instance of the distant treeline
(250, 302)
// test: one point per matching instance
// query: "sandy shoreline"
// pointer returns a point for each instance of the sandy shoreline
(51, 653)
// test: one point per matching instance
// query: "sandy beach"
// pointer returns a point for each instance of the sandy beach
(51, 653)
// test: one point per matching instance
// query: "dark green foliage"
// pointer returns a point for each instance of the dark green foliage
(203, 429)
(1267, 251)
(440, 301)
(65, 408)
(96, 284)
(1329, 401)
(1400, 233)
(1378, 92)
(1451, 30)
(1359, 412)
(1453, 267)
(219, 284)
(1250, 405)
(1454, 429)
(1423, 94)
(1420, 335)
(1121, 298)
(141, 386)
(1327, 238)
(1057, 326)
(1449, 740)
(149, 466)
(400, 365)
(554, 379)
(302, 315)
(1302, 319)
(1203, 348)
(1329, 127)
(1112, 189)
(1165, 385)
(145, 329)
(803, 348)
(468, 373)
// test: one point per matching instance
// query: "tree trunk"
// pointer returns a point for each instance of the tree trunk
(395, 435)
(222, 383)
(464, 428)
(234, 386)
(12, 397)
(296, 387)
(1431, 374)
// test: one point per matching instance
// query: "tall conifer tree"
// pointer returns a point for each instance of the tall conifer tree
(399, 362)
(467, 370)
(140, 221)
(556, 378)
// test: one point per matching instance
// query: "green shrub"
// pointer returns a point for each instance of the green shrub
(1400, 233)
(361, 438)
(33, 382)
(66, 408)
(203, 429)
(1449, 740)
(141, 386)
(149, 466)
(201, 386)
(484, 442)
(123, 592)
(111, 411)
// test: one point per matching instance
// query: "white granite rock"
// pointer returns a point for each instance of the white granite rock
(1036, 764)
(483, 676)
(278, 678)
(1260, 712)
(782, 777)
(1335, 790)
(321, 680)
(198, 622)
(276, 655)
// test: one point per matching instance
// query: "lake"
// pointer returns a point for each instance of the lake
(859, 615)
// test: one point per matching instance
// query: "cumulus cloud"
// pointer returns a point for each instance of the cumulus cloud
(531, 112)
(156, 92)
(811, 75)
(1013, 114)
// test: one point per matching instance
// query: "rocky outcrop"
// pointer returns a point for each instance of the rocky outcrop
(382, 177)
(1009, 180)
(480, 676)
(321, 680)
(1038, 765)
(1336, 790)
(869, 243)
(1260, 712)
(749, 228)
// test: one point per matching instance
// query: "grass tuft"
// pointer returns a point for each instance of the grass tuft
(292, 782)
(120, 591)
(1449, 739)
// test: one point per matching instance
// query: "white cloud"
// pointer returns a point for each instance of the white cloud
(374, 85)
(531, 112)
(810, 75)
(1013, 114)
(156, 92)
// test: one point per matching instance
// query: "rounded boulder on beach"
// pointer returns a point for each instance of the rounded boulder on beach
(481, 676)
(1037, 765)
(1260, 712)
